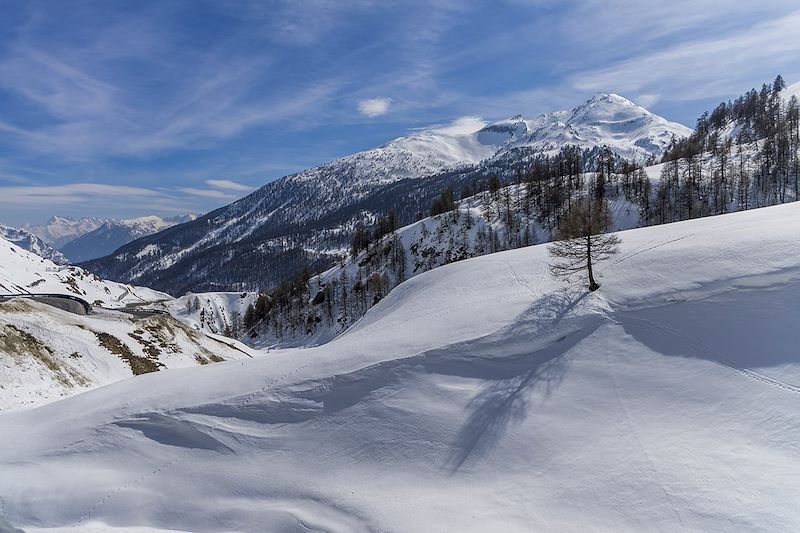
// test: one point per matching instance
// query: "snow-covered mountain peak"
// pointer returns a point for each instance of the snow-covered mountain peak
(503, 131)
(606, 120)
(609, 108)
(146, 225)
(608, 98)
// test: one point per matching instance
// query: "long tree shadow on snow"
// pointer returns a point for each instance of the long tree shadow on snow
(525, 355)
(517, 369)
(743, 328)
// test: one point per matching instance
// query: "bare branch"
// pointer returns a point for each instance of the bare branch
(583, 240)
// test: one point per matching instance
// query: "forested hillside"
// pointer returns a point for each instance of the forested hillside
(742, 155)
(313, 309)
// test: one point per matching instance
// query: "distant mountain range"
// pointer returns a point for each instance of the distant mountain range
(72, 240)
(307, 219)
(58, 231)
(112, 234)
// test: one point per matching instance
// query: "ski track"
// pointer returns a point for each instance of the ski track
(640, 249)
(519, 281)
(632, 431)
(721, 359)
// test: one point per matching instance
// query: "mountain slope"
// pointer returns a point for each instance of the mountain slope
(115, 233)
(306, 219)
(792, 90)
(23, 272)
(47, 353)
(220, 313)
(483, 392)
(28, 241)
(316, 311)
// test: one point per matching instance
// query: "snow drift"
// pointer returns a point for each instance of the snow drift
(478, 396)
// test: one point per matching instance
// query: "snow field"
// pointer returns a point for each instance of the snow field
(479, 396)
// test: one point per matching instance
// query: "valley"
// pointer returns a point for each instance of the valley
(399, 267)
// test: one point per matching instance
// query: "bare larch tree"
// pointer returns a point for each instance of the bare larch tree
(583, 238)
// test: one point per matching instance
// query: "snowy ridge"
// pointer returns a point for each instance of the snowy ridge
(485, 391)
(28, 241)
(23, 272)
(148, 225)
(47, 353)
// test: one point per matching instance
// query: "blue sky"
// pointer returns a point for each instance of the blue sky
(126, 108)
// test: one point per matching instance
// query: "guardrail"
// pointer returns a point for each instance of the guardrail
(67, 302)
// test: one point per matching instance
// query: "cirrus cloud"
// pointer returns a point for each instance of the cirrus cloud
(228, 185)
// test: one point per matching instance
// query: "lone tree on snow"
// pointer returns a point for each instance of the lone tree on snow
(583, 238)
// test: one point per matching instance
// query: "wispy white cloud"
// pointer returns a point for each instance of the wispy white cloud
(26, 203)
(305, 22)
(59, 196)
(228, 185)
(374, 107)
(15, 179)
(704, 67)
(208, 193)
(647, 99)
(59, 191)
(93, 109)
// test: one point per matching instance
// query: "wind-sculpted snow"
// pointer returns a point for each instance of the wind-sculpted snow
(479, 396)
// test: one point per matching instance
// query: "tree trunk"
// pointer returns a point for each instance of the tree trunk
(593, 286)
